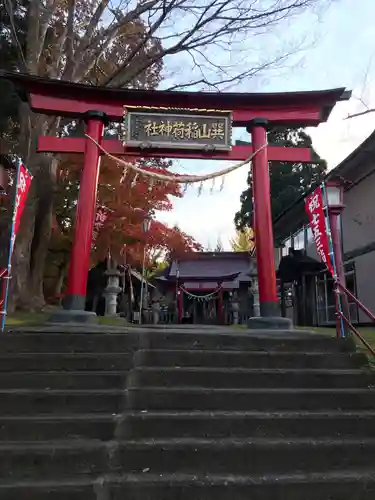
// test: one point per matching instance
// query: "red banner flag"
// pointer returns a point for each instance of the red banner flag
(24, 179)
(100, 218)
(314, 208)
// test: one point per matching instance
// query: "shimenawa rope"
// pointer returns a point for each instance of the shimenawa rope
(182, 179)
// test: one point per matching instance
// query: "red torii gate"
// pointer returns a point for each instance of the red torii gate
(98, 105)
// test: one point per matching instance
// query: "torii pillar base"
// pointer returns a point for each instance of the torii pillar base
(73, 316)
(269, 323)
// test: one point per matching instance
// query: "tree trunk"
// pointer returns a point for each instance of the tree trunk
(61, 278)
(45, 185)
(18, 298)
(31, 127)
(5, 226)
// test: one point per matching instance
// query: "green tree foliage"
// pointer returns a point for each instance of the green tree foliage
(288, 181)
(12, 20)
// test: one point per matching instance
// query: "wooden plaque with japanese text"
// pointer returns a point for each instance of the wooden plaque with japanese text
(171, 129)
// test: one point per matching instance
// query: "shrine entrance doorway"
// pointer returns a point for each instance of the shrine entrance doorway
(202, 307)
(173, 125)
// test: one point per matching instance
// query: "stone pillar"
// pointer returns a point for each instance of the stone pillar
(155, 307)
(111, 291)
(235, 308)
(255, 292)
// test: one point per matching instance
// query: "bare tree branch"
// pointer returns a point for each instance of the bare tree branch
(229, 18)
(193, 27)
(69, 40)
(93, 24)
(165, 11)
(14, 35)
(230, 79)
(108, 35)
(45, 21)
(355, 115)
(32, 39)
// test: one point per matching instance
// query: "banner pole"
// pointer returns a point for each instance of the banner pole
(332, 255)
(10, 252)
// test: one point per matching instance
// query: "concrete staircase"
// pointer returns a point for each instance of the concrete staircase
(184, 414)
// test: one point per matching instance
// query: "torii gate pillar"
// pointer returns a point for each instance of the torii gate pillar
(263, 220)
(80, 254)
(270, 315)
(79, 264)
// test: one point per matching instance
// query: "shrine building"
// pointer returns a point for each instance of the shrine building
(209, 286)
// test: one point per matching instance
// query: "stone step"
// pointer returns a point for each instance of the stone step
(68, 459)
(201, 414)
(62, 361)
(60, 402)
(186, 424)
(148, 424)
(246, 378)
(70, 489)
(45, 427)
(54, 459)
(68, 342)
(342, 485)
(64, 380)
(244, 340)
(250, 359)
(219, 424)
(38, 362)
(191, 398)
(239, 339)
(243, 456)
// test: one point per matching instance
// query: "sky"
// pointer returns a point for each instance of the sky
(342, 55)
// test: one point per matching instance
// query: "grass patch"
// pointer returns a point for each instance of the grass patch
(111, 321)
(35, 319)
(26, 319)
(367, 332)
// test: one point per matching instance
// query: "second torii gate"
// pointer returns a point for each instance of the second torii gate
(213, 114)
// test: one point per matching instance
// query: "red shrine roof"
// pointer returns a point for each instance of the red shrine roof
(58, 97)
(212, 266)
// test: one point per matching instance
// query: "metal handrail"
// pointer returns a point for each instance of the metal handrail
(356, 332)
(3, 275)
(363, 308)
(358, 302)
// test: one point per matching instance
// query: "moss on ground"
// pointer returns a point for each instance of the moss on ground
(34, 319)
(367, 332)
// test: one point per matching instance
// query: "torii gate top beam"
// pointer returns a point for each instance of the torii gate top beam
(62, 98)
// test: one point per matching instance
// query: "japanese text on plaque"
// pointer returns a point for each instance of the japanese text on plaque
(183, 131)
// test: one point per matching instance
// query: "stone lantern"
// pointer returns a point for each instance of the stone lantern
(254, 289)
(235, 306)
(255, 292)
(112, 290)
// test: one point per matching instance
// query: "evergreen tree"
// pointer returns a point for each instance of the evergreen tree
(288, 180)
